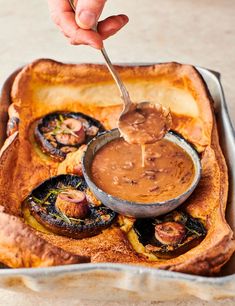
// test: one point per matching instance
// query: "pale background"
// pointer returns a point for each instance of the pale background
(199, 32)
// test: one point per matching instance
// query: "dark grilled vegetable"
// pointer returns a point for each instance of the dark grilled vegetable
(60, 204)
(63, 132)
(170, 235)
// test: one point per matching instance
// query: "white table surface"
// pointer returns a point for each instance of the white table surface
(199, 32)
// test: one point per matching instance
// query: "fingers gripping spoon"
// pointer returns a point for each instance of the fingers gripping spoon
(124, 93)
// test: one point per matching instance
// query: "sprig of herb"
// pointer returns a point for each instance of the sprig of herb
(75, 220)
(193, 231)
(44, 200)
(56, 131)
(78, 184)
(61, 118)
(64, 217)
(36, 200)
(55, 216)
(69, 131)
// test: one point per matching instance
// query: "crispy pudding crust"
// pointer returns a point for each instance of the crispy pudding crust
(46, 86)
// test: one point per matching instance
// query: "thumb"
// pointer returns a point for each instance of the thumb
(88, 12)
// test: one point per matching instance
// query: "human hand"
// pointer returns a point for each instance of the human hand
(77, 27)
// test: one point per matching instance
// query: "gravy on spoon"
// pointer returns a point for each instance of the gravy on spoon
(145, 123)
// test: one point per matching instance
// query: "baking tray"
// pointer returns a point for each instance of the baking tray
(115, 282)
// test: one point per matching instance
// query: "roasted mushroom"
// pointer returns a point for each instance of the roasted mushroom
(60, 133)
(60, 204)
(170, 235)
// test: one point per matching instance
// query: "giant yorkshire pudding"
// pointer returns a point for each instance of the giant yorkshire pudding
(45, 87)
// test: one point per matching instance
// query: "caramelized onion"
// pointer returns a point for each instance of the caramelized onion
(72, 132)
(170, 233)
(72, 203)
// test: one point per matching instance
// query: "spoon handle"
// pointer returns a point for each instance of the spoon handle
(122, 88)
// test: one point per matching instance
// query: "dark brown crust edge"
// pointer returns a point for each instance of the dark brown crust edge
(20, 247)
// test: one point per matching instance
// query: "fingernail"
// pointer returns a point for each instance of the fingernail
(86, 19)
(125, 19)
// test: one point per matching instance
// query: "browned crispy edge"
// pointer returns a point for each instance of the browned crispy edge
(210, 261)
(20, 247)
(53, 72)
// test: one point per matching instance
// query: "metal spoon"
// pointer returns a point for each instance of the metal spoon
(128, 105)
(122, 88)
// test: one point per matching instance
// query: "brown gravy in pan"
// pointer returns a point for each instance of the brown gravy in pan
(117, 168)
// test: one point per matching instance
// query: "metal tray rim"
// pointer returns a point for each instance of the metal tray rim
(113, 267)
